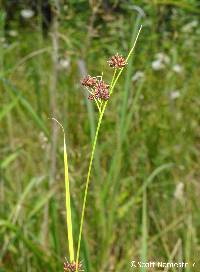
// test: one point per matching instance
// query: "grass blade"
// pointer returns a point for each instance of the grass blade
(32, 246)
(67, 200)
(148, 181)
(68, 205)
(8, 108)
(9, 159)
(26, 105)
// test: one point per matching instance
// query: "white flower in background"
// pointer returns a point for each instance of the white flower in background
(141, 97)
(64, 63)
(13, 33)
(160, 62)
(178, 193)
(2, 39)
(157, 65)
(3, 42)
(175, 94)
(177, 68)
(27, 13)
(137, 76)
(163, 58)
(189, 27)
(43, 140)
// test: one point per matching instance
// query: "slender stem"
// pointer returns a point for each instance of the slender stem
(87, 185)
(88, 175)
(96, 101)
(133, 47)
(129, 54)
(113, 83)
(113, 78)
(98, 106)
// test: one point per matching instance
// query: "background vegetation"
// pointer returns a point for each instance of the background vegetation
(144, 195)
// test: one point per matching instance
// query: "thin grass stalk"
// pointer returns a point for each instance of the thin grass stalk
(41, 255)
(113, 83)
(16, 93)
(123, 209)
(174, 254)
(67, 199)
(68, 206)
(113, 180)
(14, 214)
(128, 82)
(87, 182)
(116, 161)
(163, 242)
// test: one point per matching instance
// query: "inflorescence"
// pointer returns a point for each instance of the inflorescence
(117, 61)
(99, 90)
(71, 267)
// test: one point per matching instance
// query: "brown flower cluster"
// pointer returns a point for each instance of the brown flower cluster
(117, 61)
(98, 88)
(71, 267)
(89, 81)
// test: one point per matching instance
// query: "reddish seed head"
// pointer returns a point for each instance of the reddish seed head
(101, 90)
(117, 61)
(71, 267)
(88, 81)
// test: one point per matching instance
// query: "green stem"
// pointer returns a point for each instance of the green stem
(113, 80)
(89, 172)
(87, 185)
(113, 83)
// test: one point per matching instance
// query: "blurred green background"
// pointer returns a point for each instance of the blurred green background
(143, 200)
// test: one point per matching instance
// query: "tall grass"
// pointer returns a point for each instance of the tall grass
(159, 151)
(112, 86)
(101, 107)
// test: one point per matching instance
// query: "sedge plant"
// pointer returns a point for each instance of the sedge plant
(99, 92)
